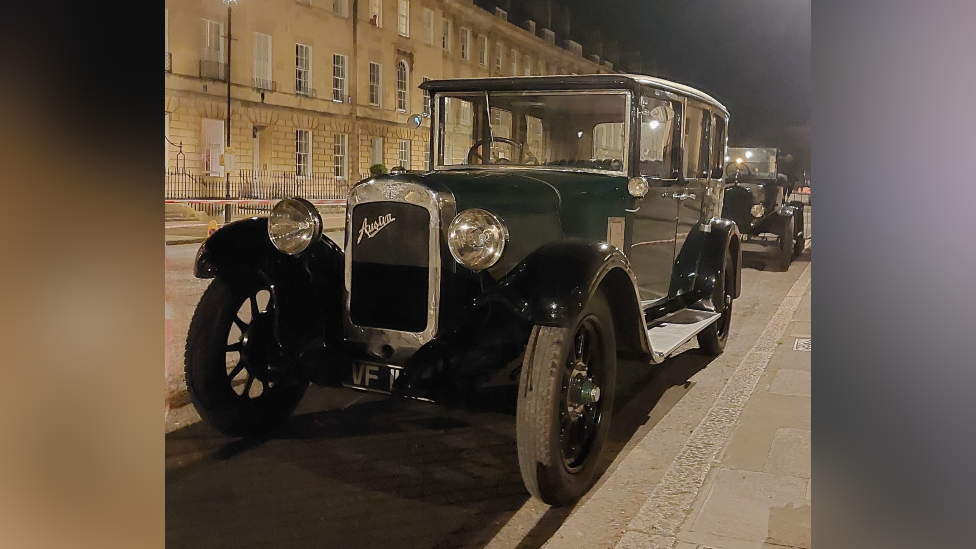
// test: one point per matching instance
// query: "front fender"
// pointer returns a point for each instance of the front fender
(723, 235)
(551, 286)
(307, 288)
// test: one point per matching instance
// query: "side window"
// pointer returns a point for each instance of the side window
(695, 143)
(657, 137)
(718, 146)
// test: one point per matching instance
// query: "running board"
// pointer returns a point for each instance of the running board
(674, 330)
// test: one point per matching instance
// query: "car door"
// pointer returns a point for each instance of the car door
(651, 223)
(695, 140)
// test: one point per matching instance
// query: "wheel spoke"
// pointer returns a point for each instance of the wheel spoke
(236, 346)
(254, 307)
(247, 385)
(237, 369)
(240, 323)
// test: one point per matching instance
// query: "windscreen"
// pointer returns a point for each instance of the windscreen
(761, 162)
(570, 130)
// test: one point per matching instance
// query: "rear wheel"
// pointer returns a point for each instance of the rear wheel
(799, 239)
(786, 243)
(713, 338)
(564, 405)
(232, 367)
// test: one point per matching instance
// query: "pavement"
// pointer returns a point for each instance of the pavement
(704, 453)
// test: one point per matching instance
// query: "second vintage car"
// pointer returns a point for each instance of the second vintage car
(756, 196)
(567, 222)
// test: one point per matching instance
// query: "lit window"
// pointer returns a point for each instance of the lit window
(402, 79)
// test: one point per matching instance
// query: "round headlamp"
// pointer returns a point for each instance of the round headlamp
(477, 239)
(294, 225)
(758, 210)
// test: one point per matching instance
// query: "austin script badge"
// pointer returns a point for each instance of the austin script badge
(369, 230)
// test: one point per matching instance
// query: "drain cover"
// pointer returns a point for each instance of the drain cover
(802, 344)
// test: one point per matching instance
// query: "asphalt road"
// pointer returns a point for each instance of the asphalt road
(355, 470)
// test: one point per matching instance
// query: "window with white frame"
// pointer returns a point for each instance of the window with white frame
(376, 13)
(446, 35)
(403, 79)
(465, 44)
(338, 77)
(303, 152)
(403, 17)
(303, 69)
(404, 153)
(427, 155)
(262, 61)
(374, 84)
(514, 55)
(429, 26)
(213, 50)
(527, 66)
(426, 98)
(465, 112)
(499, 54)
(213, 145)
(483, 50)
(340, 148)
(340, 8)
(376, 151)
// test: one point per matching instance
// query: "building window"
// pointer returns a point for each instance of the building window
(427, 156)
(338, 77)
(429, 27)
(212, 56)
(374, 84)
(376, 151)
(498, 58)
(213, 145)
(340, 148)
(465, 44)
(340, 8)
(482, 50)
(402, 79)
(527, 66)
(465, 112)
(262, 61)
(403, 17)
(376, 13)
(514, 62)
(426, 98)
(446, 35)
(404, 153)
(303, 69)
(303, 152)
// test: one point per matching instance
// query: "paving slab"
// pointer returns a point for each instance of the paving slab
(789, 454)
(791, 382)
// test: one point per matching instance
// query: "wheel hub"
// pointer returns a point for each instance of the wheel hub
(258, 347)
(582, 391)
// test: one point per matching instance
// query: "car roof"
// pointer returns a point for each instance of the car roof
(585, 81)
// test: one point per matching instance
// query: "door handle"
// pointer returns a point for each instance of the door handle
(682, 196)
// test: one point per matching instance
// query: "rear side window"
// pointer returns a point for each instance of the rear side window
(695, 143)
(718, 146)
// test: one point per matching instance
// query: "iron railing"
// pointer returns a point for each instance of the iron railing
(213, 70)
(254, 185)
(169, 62)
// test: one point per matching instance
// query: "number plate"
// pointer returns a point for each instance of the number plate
(372, 376)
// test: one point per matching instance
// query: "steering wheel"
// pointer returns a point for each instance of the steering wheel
(738, 170)
(474, 154)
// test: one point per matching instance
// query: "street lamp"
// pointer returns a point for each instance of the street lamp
(227, 155)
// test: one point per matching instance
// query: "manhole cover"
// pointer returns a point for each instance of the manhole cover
(802, 344)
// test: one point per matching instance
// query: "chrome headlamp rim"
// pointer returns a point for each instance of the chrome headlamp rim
(286, 243)
(493, 259)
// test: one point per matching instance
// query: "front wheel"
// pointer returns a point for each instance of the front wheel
(564, 405)
(232, 368)
(786, 243)
(713, 338)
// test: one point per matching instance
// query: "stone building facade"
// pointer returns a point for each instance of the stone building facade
(325, 87)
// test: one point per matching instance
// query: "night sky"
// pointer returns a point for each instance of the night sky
(751, 55)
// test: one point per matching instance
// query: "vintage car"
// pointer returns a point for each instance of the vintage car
(755, 198)
(566, 222)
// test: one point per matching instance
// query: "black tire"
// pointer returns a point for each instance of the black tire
(713, 338)
(785, 253)
(799, 239)
(210, 380)
(559, 456)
